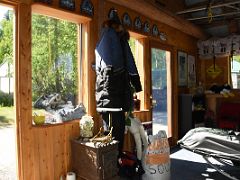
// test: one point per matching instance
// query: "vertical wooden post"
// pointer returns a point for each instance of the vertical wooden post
(175, 97)
(146, 72)
(23, 92)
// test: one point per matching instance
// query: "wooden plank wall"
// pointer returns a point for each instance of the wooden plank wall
(44, 152)
(52, 150)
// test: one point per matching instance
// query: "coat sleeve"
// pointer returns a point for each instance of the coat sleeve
(131, 68)
(103, 50)
(109, 50)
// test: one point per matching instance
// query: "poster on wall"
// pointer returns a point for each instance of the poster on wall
(191, 71)
(182, 68)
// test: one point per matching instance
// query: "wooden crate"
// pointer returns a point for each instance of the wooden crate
(92, 162)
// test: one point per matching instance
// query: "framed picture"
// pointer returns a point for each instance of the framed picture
(155, 30)
(67, 4)
(191, 71)
(138, 23)
(126, 20)
(87, 7)
(146, 27)
(182, 68)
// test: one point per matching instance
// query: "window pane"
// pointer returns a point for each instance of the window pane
(161, 94)
(135, 48)
(132, 44)
(54, 66)
(235, 72)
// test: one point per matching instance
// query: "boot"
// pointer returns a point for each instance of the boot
(139, 168)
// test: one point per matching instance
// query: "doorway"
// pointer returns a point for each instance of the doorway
(161, 90)
(8, 155)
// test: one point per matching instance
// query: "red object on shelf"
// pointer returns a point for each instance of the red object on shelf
(229, 116)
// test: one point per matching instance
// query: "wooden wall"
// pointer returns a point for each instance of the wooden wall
(170, 5)
(44, 151)
(176, 40)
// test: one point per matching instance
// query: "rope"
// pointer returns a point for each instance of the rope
(209, 11)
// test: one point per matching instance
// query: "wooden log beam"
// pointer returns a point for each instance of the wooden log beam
(23, 92)
(150, 11)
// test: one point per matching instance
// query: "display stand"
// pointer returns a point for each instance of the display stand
(109, 111)
(93, 162)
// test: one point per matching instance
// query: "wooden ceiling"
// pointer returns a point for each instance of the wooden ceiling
(217, 18)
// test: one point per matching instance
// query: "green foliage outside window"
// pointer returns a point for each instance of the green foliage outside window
(159, 69)
(132, 44)
(54, 56)
(6, 38)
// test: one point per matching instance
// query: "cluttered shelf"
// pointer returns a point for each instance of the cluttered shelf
(213, 101)
(225, 109)
(53, 109)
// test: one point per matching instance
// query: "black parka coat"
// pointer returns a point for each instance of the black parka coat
(115, 71)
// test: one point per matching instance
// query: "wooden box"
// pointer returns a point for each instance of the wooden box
(93, 162)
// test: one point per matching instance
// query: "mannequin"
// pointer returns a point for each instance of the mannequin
(115, 73)
(137, 130)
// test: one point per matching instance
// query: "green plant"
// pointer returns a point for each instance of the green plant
(7, 116)
(6, 99)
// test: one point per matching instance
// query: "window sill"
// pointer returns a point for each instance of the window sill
(46, 125)
(141, 110)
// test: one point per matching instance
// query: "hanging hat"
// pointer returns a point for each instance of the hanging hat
(113, 16)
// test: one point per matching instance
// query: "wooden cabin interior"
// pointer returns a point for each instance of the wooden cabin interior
(176, 28)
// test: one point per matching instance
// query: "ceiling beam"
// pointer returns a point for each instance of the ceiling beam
(233, 7)
(217, 15)
(196, 4)
(205, 24)
(201, 8)
(170, 19)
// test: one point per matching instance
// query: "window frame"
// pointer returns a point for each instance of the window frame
(82, 50)
(140, 63)
(230, 72)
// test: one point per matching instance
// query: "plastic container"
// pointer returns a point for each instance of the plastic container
(86, 126)
(39, 120)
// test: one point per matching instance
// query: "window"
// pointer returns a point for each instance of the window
(235, 72)
(6, 52)
(137, 50)
(161, 90)
(132, 43)
(55, 64)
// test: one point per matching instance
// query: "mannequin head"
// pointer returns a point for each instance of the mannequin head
(113, 21)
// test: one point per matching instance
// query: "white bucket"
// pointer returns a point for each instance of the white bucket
(156, 161)
(71, 176)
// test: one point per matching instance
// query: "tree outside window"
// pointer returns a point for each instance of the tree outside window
(54, 64)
